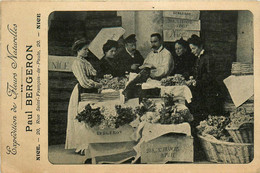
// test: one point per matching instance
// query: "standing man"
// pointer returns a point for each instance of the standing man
(130, 58)
(159, 60)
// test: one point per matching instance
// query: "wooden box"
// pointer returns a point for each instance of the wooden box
(110, 135)
(168, 148)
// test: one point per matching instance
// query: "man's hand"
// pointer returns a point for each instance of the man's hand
(152, 73)
(147, 66)
(134, 66)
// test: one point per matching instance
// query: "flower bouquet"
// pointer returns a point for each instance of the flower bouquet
(162, 114)
(114, 83)
(106, 123)
(176, 80)
(109, 116)
(214, 127)
(241, 126)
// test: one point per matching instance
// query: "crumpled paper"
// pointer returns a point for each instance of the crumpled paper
(147, 132)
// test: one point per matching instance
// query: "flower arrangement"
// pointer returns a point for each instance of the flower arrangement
(191, 81)
(163, 114)
(110, 82)
(106, 117)
(114, 116)
(168, 99)
(177, 79)
(91, 116)
(147, 105)
(174, 114)
(239, 117)
(125, 115)
(215, 126)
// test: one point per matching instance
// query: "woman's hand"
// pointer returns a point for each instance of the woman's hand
(134, 66)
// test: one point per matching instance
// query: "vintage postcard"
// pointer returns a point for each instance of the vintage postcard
(130, 86)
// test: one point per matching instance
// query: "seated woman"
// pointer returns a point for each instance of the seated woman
(184, 60)
(84, 73)
(82, 69)
(109, 63)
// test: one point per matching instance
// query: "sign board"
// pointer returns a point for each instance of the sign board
(173, 35)
(188, 14)
(60, 63)
(168, 148)
(96, 46)
(180, 24)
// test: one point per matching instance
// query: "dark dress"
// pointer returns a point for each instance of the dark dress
(206, 94)
(126, 60)
(184, 64)
(110, 66)
(205, 101)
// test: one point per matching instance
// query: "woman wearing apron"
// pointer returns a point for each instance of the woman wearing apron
(84, 73)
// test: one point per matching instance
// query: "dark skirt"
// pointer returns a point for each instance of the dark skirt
(207, 100)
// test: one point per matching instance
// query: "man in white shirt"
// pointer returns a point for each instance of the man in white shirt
(159, 60)
(158, 64)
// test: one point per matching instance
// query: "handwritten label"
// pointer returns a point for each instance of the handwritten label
(180, 24)
(113, 132)
(191, 15)
(173, 35)
(164, 149)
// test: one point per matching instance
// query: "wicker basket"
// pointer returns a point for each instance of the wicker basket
(242, 134)
(227, 152)
(239, 68)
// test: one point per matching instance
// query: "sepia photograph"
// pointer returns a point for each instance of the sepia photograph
(151, 87)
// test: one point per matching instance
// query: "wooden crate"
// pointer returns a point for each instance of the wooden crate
(110, 135)
(169, 148)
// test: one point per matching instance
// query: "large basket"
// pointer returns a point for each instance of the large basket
(227, 152)
(242, 134)
(239, 68)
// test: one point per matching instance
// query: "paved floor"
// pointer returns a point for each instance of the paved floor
(58, 155)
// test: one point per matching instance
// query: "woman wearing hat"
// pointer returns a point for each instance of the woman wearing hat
(82, 68)
(183, 60)
(109, 63)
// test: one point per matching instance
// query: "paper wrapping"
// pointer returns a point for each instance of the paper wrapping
(180, 92)
(147, 132)
(240, 88)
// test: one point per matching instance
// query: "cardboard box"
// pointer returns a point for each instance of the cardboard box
(168, 148)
